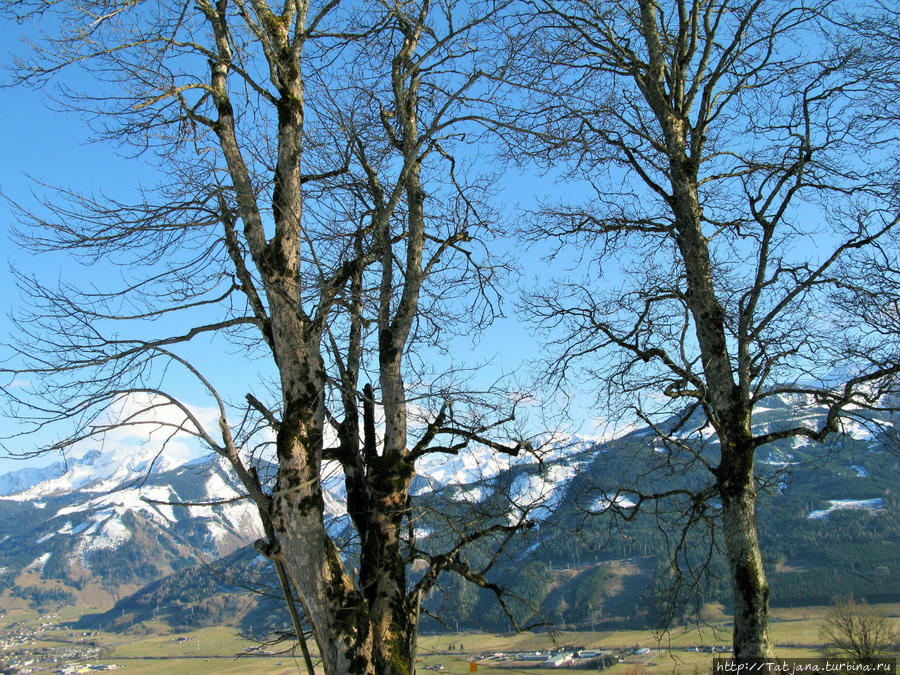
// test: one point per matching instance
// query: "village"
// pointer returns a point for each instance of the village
(26, 647)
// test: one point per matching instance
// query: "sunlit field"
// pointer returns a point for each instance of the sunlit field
(795, 633)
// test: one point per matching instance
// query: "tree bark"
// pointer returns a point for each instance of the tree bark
(382, 573)
(750, 637)
(729, 413)
(335, 609)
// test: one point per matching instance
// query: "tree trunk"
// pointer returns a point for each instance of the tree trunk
(383, 581)
(731, 417)
(334, 608)
(377, 501)
(750, 637)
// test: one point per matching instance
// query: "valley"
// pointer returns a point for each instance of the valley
(47, 644)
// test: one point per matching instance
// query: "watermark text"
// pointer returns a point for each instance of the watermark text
(879, 666)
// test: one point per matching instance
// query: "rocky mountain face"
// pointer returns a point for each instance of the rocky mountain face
(829, 520)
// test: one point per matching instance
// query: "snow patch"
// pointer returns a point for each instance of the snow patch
(82, 526)
(201, 511)
(216, 532)
(856, 431)
(419, 533)
(109, 535)
(870, 505)
(860, 471)
(479, 464)
(779, 458)
(38, 563)
(472, 465)
(608, 500)
(336, 516)
(797, 400)
(705, 434)
(241, 516)
(470, 494)
(123, 501)
(607, 430)
(539, 493)
(531, 549)
(216, 485)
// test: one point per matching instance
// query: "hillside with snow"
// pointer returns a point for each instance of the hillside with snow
(102, 510)
(121, 521)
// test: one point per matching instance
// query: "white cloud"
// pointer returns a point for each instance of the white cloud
(154, 424)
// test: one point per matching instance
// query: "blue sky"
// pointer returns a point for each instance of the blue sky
(46, 145)
(55, 147)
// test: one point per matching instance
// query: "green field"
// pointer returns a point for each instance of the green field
(213, 650)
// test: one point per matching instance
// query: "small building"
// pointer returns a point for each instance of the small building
(532, 656)
(558, 660)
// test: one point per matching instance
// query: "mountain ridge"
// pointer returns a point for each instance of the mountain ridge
(826, 508)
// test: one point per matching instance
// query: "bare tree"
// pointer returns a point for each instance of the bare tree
(296, 224)
(732, 170)
(873, 41)
(857, 631)
(406, 298)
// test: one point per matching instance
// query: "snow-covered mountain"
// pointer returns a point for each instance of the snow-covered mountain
(87, 499)
(104, 509)
(22, 479)
(124, 520)
(78, 520)
(95, 471)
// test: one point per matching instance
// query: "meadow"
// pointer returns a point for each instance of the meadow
(153, 648)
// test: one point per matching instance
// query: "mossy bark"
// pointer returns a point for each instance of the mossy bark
(750, 638)
(336, 610)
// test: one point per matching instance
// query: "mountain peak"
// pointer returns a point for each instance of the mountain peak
(96, 470)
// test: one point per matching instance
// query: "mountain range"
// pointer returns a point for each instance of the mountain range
(132, 533)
